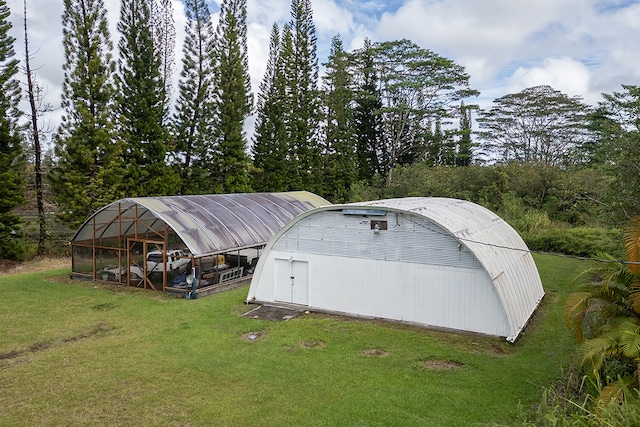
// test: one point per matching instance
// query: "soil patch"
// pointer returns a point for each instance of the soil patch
(443, 365)
(45, 345)
(377, 352)
(313, 344)
(267, 312)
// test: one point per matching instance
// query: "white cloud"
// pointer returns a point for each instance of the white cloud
(582, 47)
(564, 74)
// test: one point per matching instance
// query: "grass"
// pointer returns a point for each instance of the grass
(77, 353)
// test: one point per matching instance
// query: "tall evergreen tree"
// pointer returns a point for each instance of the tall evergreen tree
(165, 39)
(367, 118)
(193, 122)
(87, 171)
(269, 141)
(142, 104)
(339, 151)
(464, 154)
(11, 160)
(233, 99)
(301, 74)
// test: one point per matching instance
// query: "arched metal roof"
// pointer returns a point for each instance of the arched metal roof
(206, 224)
(497, 246)
(494, 242)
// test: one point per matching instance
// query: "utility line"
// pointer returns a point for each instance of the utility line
(581, 258)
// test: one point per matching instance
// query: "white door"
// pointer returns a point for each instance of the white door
(292, 281)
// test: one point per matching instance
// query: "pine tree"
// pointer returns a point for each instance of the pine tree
(11, 159)
(290, 110)
(165, 38)
(367, 106)
(465, 144)
(87, 171)
(142, 105)
(233, 98)
(193, 122)
(301, 74)
(339, 142)
(269, 141)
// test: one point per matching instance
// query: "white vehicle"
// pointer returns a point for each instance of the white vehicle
(177, 260)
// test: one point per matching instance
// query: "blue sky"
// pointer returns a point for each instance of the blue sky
(580, 47)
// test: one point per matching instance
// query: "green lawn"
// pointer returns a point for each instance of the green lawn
(78, 353)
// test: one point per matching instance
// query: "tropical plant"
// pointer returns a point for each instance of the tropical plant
(538, 124)
(605, 316)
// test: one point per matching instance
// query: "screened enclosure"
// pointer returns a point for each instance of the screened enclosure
(177, 242)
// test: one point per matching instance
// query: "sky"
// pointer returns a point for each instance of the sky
(579, 47)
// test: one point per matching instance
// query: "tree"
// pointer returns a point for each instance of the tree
(233, 101)
(36, 110)
(605, 313)
(538, 124)
(269, 141)
(417, 87)
(366, 113)
(193, 122)
(11, 159)
(301, 76)
(464, 155)
(339, 150)
(87, 170)
(620, 136)
(142, 105)
(165, 39)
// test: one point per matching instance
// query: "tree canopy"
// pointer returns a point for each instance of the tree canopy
(538, 124)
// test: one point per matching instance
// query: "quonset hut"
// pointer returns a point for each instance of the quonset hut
(155, 242)
(434, 262)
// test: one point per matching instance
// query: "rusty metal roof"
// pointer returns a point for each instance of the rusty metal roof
(206, 224)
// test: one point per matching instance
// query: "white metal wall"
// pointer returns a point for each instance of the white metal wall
(414, 271)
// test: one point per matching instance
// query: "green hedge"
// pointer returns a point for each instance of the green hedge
(579, 241)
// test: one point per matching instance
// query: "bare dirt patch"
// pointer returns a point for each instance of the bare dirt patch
(267, 312)
(98, 329)
(313, 344)
(8, 267)
(376, 352)
(443, 365)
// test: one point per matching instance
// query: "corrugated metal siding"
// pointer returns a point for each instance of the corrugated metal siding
(409, 238)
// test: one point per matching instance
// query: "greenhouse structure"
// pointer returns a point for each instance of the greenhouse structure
(435, 262)
(192, 245)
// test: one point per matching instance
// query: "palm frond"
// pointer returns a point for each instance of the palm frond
(596, 350)
(632, 244)
(575, 308)
(629, 334)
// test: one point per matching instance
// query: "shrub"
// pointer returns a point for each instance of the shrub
(579, 241)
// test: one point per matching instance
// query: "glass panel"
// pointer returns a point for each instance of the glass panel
(110, 266)
(83, 260)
